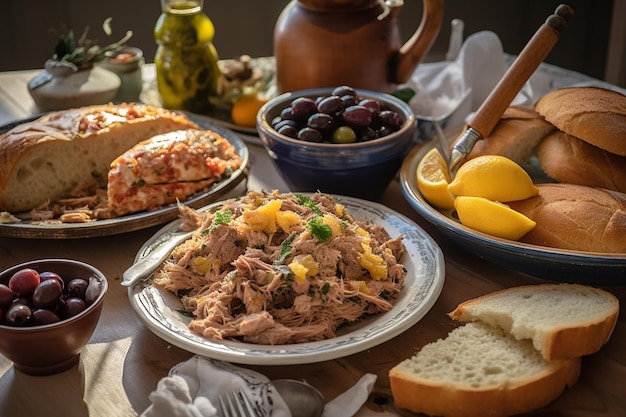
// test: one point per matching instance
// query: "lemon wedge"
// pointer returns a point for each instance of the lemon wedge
(494, 177)
(433, 179)
(492, 217)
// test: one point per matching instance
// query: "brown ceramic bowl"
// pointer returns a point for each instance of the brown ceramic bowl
(56, 347)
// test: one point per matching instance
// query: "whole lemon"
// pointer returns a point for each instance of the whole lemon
(244, 111)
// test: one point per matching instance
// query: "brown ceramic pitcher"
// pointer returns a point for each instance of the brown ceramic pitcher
(327, 43)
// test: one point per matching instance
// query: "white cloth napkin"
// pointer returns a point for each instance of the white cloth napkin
(449, 91)
(192, 389)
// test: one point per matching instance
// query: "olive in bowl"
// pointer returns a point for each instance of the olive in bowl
(49, 309)
(360, 163)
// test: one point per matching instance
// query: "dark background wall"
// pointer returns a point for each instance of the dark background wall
(246, 27)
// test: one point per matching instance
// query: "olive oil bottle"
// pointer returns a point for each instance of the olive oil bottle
(186, 59)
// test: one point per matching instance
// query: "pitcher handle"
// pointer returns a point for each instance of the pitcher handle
(412, 52)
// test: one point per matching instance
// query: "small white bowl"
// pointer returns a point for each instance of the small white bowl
(83, 88)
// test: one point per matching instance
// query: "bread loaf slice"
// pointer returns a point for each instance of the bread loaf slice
(576, 217)
(570, 160)
(516, 136)
(479, 371)
(168, 167)
(46, 159)
(491, 366)
(595, 115)
(562, 320)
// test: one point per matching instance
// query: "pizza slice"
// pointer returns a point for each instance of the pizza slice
(168, 167)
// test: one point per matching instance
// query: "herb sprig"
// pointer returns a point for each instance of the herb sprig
(84, 51)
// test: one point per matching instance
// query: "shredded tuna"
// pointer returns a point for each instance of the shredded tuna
(273, 268)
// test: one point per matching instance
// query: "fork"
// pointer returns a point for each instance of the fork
(236, 404)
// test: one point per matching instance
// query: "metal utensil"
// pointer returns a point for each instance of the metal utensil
(302, 399)
(485, 119)
(143, 268)
(442, 142)
(236, 404)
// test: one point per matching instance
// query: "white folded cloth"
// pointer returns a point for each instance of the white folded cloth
(192, 389)
(449, 91)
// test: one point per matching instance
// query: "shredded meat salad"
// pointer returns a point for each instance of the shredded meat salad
(272, 268)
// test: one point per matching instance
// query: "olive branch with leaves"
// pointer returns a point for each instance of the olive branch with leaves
(84, 52)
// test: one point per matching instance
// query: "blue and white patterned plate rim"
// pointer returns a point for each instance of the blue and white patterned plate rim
(425, 277)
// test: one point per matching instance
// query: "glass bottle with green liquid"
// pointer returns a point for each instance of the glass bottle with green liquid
(186, 59)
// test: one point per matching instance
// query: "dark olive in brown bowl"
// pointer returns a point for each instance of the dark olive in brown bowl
(45, 349)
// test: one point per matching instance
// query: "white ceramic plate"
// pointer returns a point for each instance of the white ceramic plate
(425, 266)
(553, 264)
(136, 221)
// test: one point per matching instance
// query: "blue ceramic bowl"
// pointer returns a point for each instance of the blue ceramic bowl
(362, 169)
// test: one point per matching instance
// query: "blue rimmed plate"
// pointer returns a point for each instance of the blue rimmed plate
(540, 261)
(159, 309)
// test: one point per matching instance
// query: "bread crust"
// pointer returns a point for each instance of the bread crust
(568, 159)
(516, 136)
(595, 115)
(562, 341)
(44, 150)
(447, 400)
(452, 377)
(576, 217)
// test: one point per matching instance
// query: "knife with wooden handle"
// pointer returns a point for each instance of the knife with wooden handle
(485, 119)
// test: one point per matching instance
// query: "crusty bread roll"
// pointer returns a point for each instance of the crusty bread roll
(491, 367)
(570, 160)
(46, 159)
(479, 371)
(595, 115)
(562, 320)
(576, 217)
(516, 135)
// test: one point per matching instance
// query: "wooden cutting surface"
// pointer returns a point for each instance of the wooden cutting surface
(124, 360)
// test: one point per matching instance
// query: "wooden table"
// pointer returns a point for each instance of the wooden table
(124, 360)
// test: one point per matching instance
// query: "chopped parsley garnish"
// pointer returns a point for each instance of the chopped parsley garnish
(307, 202)
(319, 229)
(325, 288)
(221, 217)
(285, 249)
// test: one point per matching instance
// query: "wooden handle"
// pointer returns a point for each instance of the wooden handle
(535, 51)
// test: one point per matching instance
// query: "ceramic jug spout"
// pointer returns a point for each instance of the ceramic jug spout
(414, 50)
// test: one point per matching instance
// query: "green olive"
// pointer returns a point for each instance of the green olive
(343, 134)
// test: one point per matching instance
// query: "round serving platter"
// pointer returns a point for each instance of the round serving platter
(235, 183)
(540, 261)
(160, 309)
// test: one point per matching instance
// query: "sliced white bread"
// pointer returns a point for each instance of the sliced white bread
(495, 364)
(479, 371)
(562, 320)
